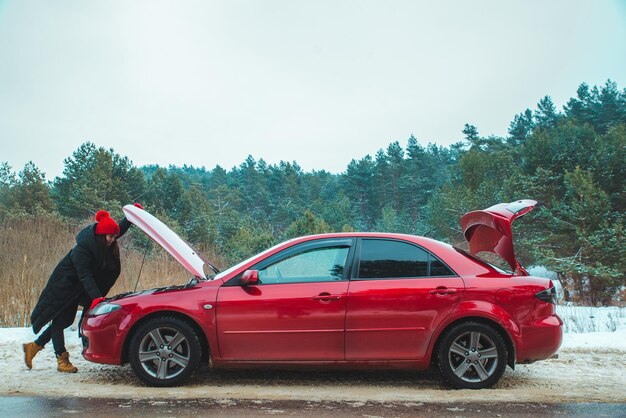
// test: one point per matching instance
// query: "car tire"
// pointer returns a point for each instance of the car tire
(165, 351)
(472, 355)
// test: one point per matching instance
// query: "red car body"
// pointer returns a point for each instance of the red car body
(248, 316)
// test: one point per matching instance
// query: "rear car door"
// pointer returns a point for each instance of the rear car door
(398, 295)
(296, 312)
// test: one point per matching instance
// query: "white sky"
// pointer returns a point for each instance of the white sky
(319, 82)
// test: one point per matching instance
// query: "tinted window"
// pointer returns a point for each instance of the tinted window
(382, 259)
(437, 268)
(316, 265)
(385, 259)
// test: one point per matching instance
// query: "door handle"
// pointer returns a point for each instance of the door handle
(326, 297)
(443, 291)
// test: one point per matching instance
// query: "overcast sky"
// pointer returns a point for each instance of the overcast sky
(319, 82)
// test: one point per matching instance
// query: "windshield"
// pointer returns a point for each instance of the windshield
(246, 261)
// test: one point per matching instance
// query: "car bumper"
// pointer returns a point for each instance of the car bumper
(540, 340)
(103, 338)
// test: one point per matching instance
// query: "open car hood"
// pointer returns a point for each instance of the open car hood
(167, 239)
(490, 230)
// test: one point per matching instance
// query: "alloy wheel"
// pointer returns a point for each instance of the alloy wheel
(473, 357)
(164, 353)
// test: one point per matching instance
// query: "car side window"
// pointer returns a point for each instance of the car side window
(385, 259)
(315, 265)
(437, 268)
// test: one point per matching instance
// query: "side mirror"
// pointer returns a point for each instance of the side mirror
(249, 278)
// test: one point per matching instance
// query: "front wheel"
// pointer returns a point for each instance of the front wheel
(472, 356)
(164, 351)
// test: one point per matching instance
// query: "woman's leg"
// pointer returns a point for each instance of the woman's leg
(53, 332)
(44, 337)
(62, 321)
(57, 327)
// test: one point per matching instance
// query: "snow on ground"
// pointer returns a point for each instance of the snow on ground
(578, 319)
(590, 367)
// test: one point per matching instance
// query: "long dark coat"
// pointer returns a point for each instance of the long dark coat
(77, 279)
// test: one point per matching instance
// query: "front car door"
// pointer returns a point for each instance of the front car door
(398, 295)
(296, 312)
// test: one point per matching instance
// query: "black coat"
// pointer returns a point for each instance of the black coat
(78, 278)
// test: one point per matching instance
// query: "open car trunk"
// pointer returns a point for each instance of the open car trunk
(490, 230)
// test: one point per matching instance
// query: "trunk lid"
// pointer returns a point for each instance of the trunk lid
(490, 230)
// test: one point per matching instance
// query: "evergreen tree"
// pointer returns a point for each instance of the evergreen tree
(601, 108)
(7, 182)
(96, 178)
(250, 238)
(391, 221)
(395, 158)
(254, 195)
(521, 127)
(164, 191)
(358, 186)
(471, 136)
(585, 106)
(581, 226)
(546, 115)
(308, 224)
(32, 194)
(612, 111)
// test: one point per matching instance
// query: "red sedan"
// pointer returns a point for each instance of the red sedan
(346, 299)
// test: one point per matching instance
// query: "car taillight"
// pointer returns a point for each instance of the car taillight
(548, 295)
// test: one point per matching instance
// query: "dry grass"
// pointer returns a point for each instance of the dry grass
(30, 249)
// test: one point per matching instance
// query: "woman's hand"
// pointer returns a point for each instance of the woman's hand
(137, 204)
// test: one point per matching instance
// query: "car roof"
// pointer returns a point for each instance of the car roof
(460, 263)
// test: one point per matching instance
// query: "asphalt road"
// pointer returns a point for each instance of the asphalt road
(22, 406)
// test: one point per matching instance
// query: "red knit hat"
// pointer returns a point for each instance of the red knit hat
(106, 224)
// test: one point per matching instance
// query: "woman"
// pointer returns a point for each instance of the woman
(83, 277)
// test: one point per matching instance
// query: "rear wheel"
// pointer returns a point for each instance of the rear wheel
(164, 351)
(472, 356)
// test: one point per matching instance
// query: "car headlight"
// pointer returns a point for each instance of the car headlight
(104, 308)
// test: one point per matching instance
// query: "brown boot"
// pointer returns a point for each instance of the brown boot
(30, 350)
(65, 366)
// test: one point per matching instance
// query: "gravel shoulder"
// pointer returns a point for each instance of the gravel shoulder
(579, 374)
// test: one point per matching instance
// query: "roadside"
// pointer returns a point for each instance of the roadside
(20, 406)
(590, 368)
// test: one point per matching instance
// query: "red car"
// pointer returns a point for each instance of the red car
(346, 299)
